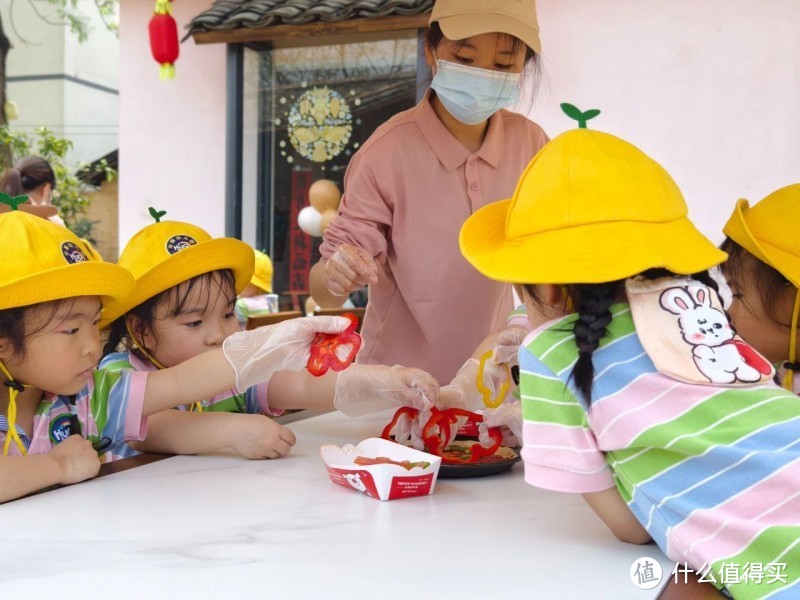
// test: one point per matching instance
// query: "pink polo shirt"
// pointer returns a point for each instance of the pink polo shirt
(408, 190)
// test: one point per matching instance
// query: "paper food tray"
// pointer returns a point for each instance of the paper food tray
(381, 481)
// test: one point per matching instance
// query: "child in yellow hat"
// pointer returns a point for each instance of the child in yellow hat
(57, 413)
(257, 299)
(182, 307)
(638, 394)
(763, 272)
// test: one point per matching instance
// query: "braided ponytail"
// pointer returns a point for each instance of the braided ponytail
(594, 315)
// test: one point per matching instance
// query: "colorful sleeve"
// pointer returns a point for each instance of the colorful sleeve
(519, 317)
(364, 215)
(242, 313)
(559, 448)
(257, 401)
(116, 361)
(117, 403)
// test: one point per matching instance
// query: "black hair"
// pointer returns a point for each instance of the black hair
(742, 269)
(175, 299)
(12, 322)
(592, 302)
(532, 70)
(27, 174)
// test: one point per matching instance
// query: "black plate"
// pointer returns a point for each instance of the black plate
(450, 471)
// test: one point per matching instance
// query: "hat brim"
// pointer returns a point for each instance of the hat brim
(43, 211)
(737, 229)
(593, 253)
(205, 257)
(261, 284)
(459, 27)
(91, 278)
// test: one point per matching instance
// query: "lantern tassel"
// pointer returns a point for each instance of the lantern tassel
(166, 71)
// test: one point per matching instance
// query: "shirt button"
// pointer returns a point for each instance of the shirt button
(473, 161)
(474, 187)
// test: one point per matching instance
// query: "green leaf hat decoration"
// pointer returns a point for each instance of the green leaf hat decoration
(573, 112)
(156, 214)
(12, 202)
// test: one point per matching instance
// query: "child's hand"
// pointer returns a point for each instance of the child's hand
(256, 355)
(362, 389)
(77, 459)
(257, 437)
(507, 416)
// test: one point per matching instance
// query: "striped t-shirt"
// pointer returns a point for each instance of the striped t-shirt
(712, 473)
(253, 401)
(108, 408)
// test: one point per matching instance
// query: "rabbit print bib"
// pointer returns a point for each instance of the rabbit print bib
(687, 335)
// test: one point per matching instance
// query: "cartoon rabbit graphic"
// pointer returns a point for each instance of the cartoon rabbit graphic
(354, 479)
(717, 355)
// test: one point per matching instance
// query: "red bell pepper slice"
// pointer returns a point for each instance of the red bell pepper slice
(439, 426)
(335, 351)
(411, 413)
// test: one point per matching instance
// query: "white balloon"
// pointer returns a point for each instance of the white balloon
(310, 221)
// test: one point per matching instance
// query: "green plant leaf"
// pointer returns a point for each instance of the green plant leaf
(572, 111)
(591, 114)
(156, 214)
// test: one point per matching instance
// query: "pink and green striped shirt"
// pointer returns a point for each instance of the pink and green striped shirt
(712, 472)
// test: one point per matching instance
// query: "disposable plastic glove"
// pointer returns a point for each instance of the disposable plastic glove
(507, 416)
(363, 389)
(349, 269)
(256, 355)
(506, 345)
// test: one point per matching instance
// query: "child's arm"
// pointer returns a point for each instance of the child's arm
(358, 390)
(247, 358)
(181, 432)
(612, 510)
(71, 461)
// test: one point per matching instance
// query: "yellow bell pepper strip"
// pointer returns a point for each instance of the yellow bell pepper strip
(486, 392)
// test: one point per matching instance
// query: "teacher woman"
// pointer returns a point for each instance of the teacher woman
(417, 179)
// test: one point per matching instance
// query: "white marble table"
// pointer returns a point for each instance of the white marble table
(214, 526)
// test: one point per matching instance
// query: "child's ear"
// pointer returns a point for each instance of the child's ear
(139, 338)
(6, 349)
(550, 294)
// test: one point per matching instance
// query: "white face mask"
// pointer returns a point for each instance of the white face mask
(471, 94)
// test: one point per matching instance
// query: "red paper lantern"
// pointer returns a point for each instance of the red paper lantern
(164, 38)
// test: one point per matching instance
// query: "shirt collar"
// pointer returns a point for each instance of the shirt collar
(447, 148)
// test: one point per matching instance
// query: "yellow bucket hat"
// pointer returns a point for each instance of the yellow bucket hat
(165, 254)
(43, 262)
(589, 208)
(262, 276)
(769, 230)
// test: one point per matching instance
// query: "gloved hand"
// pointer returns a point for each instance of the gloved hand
(363, 389)
(256, 355)
(349, 269)
(506, 345)
(507, 416)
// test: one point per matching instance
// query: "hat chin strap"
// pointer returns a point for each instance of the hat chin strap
(197, 406)
(14, 388)
(792, 366)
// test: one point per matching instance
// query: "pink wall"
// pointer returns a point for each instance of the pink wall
(709, 89)
(171, 133)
